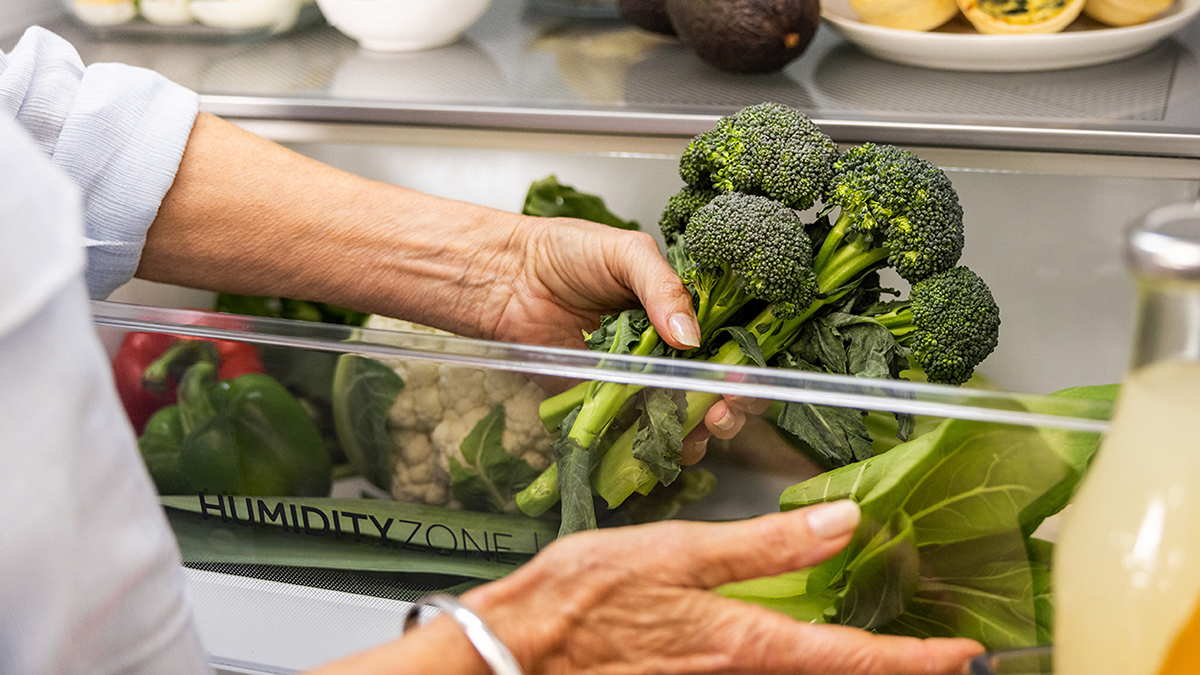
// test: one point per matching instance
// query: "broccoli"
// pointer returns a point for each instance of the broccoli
(766, 149)
(741, 248)
(764, 281)
(896, 209)
(680, 208)
(950, 322)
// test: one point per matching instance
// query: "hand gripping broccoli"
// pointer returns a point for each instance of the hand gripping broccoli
(766, 149)
(950, 322)
(741, 251)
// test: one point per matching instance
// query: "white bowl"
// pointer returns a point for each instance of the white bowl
(402, 25)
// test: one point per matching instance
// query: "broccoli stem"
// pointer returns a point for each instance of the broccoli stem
(899, 321)
(848, 263)
(832, 240)
(554, 409)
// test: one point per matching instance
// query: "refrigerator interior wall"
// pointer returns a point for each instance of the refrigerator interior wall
(1044, 230)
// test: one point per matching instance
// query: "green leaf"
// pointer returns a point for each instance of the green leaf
(550, 199)
(838, 435)
(659, 440)
(491, 477)
(574, 480)
(871, 349)
(747, 343)
(882, 577)
(619, 333)
(363, 393)
(979, 588)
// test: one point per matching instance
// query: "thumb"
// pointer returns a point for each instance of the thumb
(667, 301)
(714, 554)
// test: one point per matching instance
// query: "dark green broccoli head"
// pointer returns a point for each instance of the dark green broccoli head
(957, 324)
(891, 197)
(766, 149)
(680, 208)
(760, 243)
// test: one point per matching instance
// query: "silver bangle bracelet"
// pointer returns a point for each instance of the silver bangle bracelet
(493, 651)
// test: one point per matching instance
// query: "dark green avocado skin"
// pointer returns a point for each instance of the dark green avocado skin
(746, 36)
(648, 15)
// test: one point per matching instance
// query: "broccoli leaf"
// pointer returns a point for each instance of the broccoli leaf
(550, 199)
(837, 435)
(491, 478)
(747, 343)
(659, 440)
(574, 483)
(619, 333)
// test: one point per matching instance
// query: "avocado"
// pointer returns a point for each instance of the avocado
(648, 15)
(746, 36)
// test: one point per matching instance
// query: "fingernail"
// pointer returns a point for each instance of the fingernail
(725, 423)
(684, 329)
(835, 519)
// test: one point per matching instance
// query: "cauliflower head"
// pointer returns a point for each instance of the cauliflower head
(439, 407)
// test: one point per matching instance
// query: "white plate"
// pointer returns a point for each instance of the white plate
(956, 47)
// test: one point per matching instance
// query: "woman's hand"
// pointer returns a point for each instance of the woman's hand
(566, 273)
(638, 600)
(248, 216)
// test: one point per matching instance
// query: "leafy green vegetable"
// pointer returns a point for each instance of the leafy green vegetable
(619, 333)
(660, 433)
(363, 393)
(957, 505)
(491, 477)
(881, 579)
(835, 436)
(550, 199)
(574, 471)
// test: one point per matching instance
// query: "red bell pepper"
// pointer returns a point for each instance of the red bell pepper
(138, 351)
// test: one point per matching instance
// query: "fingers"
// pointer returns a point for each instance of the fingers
(668, 303)
(695, 446)
(841, 649)
(710, 554)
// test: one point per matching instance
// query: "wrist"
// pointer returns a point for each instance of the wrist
(430, 260)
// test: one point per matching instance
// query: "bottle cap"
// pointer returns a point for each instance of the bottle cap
(1166, 244)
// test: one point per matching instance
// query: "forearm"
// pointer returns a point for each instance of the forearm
(248, 216)
(439, 648)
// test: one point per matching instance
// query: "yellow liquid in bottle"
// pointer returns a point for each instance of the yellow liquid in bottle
(1184, 657)
(1127, 567)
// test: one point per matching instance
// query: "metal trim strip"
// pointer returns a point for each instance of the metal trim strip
(1081, 138)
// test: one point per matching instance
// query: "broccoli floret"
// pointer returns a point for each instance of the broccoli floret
(680, 208)
(896, 209)
(766, 149)
(745, 247)
(950, 323)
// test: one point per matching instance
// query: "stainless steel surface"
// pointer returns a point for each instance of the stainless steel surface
(523, 69)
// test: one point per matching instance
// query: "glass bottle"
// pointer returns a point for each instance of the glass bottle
(1127, 566)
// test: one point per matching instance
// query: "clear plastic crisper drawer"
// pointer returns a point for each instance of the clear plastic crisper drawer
(359, 468)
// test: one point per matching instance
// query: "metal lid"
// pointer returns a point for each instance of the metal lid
(1166, 244)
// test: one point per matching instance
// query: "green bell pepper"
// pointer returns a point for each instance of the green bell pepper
(244, 436)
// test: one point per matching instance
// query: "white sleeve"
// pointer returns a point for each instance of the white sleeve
(117, 131)
(90, 581)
